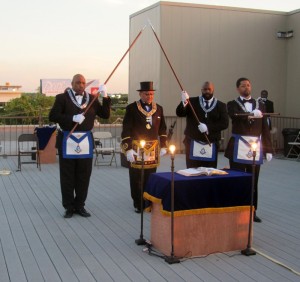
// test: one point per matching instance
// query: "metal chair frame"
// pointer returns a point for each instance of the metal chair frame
(295, 148)
(104, 146)
(28, 145)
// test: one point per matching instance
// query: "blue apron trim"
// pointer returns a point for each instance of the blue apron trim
(248, 157)
(77, 152)
(203, 152)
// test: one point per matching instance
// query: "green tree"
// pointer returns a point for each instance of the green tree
(34, 107)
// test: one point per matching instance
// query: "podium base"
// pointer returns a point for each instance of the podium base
(172, 260)
(140, 242)
(248, 252)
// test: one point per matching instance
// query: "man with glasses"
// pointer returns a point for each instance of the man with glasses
(213, 118)
(143, 120)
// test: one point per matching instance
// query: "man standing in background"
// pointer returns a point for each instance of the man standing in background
(269, 105)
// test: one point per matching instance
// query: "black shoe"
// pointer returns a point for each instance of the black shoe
(69, 213)
(137, 210)
(82, 212)
(256, 218)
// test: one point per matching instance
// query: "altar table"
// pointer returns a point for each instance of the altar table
(47, 139)
(211, 213)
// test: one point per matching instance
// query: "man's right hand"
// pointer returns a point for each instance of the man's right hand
(78, 118)
(202, 127)
(130, 155)
(184, 97)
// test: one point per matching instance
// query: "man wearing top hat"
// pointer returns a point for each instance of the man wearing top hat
(143, 120)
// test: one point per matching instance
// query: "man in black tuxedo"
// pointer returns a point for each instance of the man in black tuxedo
(247, 129)
(213, 118)
(269, 105)
(76, 151)
(143, 120)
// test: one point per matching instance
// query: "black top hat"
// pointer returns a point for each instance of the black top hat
(146, 86)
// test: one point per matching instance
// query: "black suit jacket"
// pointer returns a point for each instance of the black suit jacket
(134, 127)
(63, 110)
(269, 105)
(242, 126)
(216, 120)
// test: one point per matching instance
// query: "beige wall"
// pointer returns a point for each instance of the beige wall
(292, 97)
(7, 96)
(212, 43)
(144, 56)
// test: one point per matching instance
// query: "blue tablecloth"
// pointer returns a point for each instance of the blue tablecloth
(44, 134)
(199, 192)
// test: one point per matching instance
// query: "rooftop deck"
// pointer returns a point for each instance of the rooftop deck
(38, 244)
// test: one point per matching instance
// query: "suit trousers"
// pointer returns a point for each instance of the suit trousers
(248, 168)
(135, 183)
(74, 181)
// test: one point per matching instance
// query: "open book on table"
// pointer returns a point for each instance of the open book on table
(201, 171)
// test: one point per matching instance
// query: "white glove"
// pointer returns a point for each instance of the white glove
(78, 118)
(269, 156)
(257, 113)
(103, 90)
(184, 97)
(163, 151)
(202, 127)
(130, 155)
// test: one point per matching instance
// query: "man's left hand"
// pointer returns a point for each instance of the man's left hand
(103, 90)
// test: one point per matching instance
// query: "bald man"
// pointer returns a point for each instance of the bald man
(76, 151)
(213, 118)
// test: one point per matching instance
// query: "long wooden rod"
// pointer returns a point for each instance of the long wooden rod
(251, 114)
(97, 95)
(189, 103)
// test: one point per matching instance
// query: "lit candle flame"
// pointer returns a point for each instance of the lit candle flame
(254, 146)
(172, 149)
(142, 143)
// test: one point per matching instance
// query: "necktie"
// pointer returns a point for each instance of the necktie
(78, 94)
(206, 105)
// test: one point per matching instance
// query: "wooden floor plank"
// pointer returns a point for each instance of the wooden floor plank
(38, 244)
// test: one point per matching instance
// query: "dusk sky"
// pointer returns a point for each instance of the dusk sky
(59, 38)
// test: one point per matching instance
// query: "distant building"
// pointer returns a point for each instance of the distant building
(52, 87)
(9, 92)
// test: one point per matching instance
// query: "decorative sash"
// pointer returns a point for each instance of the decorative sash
(213, 105)
(243, 152)
(78, 146)
(151, 154)
(202, 151)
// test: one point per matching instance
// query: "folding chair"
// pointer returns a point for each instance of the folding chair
(104, 149)
(295, 148)
(28, 149)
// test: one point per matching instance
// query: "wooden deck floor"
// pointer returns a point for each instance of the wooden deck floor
(38, 244)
